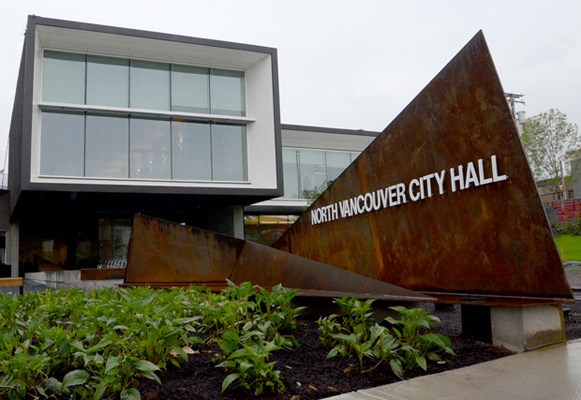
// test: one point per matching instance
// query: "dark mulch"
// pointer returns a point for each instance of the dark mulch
(308, 374)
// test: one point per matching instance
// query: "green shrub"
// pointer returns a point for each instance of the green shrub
(408, 344)
(68, 344)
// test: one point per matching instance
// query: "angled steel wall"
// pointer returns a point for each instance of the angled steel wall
(443, 200)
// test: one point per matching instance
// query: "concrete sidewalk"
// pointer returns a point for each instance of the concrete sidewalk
(549, 373)
(574, 277)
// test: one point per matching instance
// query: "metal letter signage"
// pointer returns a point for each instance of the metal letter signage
(443, 201)
(417, 189)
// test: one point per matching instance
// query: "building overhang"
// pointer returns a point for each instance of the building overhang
(262, 106)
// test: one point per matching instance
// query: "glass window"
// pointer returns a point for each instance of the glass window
(149, 149)
(266, 229)
(114, 234)
(149, 85)
(229, 153)
(191, 151)
(227, 92)
(107, 150)
(62, 144)
(313, 173)
(290, 169)
(107, 81)
(190, 89)
(336, 163)
(63, 79)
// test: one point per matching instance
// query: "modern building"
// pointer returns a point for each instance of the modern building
(109, 122)
(313, 157)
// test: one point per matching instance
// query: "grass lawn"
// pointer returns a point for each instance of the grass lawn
(569, 247)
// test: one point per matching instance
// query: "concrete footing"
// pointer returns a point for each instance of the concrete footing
(518, 328)
(527, 328)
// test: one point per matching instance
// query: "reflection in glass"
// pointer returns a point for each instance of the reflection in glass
(63, 77)
(227, 92)
(107, 81)
(190, 89)
(149, 154)
(62, 144)
(316, 168)
(114, 234)
(290, 169)
(117, 82)
(191, 151)
(337, 161)
(107, 147)
(313, 173)
(149, 86)
(229, 153)
(266, 229)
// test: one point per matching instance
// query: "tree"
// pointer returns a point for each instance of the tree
(549, 141)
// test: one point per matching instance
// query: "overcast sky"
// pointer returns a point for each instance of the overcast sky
(347, 64)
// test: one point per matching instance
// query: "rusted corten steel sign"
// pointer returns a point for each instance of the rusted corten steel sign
(443, 201)
(163, 253)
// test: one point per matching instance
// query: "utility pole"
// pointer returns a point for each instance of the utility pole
(512, 99)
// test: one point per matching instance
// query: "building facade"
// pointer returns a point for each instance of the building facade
(313, 157)
(109, 122)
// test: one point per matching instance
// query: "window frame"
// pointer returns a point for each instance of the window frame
(299, 171)
(141, 113)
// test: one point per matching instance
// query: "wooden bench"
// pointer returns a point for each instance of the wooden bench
(13, 282)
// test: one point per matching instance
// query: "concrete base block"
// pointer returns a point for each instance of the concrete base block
(526, 328)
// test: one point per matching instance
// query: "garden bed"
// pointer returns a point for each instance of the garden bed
(308, 374)
(193, 344)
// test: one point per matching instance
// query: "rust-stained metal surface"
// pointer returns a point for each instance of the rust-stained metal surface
(490, 239)
(164, 254)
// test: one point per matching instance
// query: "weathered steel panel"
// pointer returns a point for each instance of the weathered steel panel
(163, 253)
(444, 198)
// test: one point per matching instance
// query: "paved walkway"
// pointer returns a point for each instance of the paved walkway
(574, 278)
(549, 373)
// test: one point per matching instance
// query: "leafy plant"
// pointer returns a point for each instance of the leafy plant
(409, 342)
(251, 369)
(348, 333)
(77, 345)
(69, 344)
(418, 344)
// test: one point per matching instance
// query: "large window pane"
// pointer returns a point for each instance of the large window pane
(336, 164)
(313, 173)
(107, 81)
(63, 79)
(149, 149)
(62, 144)
(229, 153)
(227, 92)
(107, 147)
(290, 169)
(114, 234)
(149, 85)
(191, 151)
(190, 89)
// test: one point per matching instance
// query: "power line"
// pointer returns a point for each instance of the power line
(556, 89)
